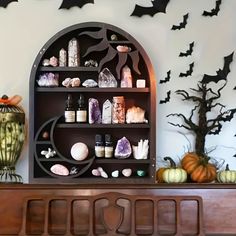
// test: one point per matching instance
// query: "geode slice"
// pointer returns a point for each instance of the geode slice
(94, 112)
(106, 79)
(123, 148)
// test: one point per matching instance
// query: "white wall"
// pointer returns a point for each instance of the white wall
(27, 24)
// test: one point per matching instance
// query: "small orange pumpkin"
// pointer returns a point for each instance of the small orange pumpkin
(159, 175)
(198, 167)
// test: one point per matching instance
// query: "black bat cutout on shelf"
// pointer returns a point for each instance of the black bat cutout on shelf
(167, 99)
(67, 4)
(214, 11)
(188, 52)
(167, 78)
(181, 24)
(4, 3)
(157, 6)
(188, 72)
(221, 74)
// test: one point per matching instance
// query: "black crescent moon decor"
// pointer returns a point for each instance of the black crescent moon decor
(188, 72)
(214, 11)
(182, 24)
(221, 74)
(4, 3)
(67, 4)
(158, 6)
(188, 52)
(167, 98)
(167, 78)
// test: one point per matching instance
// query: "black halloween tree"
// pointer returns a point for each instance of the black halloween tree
(206, 101)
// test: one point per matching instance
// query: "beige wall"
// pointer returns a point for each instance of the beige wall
(27, 24)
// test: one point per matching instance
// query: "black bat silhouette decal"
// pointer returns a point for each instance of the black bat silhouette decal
(181, 24)
(221, 74)
(188, 52)
(167, 99)
(157, 6)
(4, 3)
(67, 4)
(167, 78)
(214, 11)
(188, 72)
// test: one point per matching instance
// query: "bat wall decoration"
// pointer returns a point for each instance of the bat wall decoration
(221, 74)
(167, 99)
(67, 4)
(188, 52)
(214, 11)
(157, 6)
(4, 3)
(188, 72)
(167, 78)
(181, 24)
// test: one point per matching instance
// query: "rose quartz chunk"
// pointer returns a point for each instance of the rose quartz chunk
(59, 169)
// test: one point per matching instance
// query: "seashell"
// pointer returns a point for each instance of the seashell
(124, 48)
(135, 115)
(114, 37)
(115, 174)
(90, 83)
(79, 151)
(59, 169)
(127, 172)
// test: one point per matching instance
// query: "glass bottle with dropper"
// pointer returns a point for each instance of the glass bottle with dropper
(69, 113)
(81, 113)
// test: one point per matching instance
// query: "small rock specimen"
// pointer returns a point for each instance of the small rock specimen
(115, 174)
(74, 170)
(123, 148)
(118, 110)
(126, 78)
(91, 63)
(141, 151)
(114, 37)
(135, 115)
(106, 79)
(48, 80)
(94, 112)
(59, 169)
(141, 173)
(90, 83)
(73, 53)
(127, 172)
(68, 82)
(123, 48)
(53, 61)
(99, 172)
(79, 151)
(62, 57)
(106, 112)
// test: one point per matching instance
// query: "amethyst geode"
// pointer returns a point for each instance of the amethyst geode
(95, 116)
(123, 148)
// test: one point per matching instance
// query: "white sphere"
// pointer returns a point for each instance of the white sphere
(79, 151)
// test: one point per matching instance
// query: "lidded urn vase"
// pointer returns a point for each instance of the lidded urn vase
(12, 136)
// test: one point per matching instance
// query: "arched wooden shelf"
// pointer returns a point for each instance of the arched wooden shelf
(48, 103)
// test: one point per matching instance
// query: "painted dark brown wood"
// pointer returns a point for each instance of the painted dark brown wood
(162, 209)
(47, 107)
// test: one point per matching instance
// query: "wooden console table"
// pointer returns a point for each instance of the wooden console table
(185, 209)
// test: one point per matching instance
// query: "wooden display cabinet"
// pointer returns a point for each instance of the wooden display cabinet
(47, 106)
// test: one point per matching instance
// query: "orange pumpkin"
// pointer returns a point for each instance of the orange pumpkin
(159, 174)
(198, 168)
